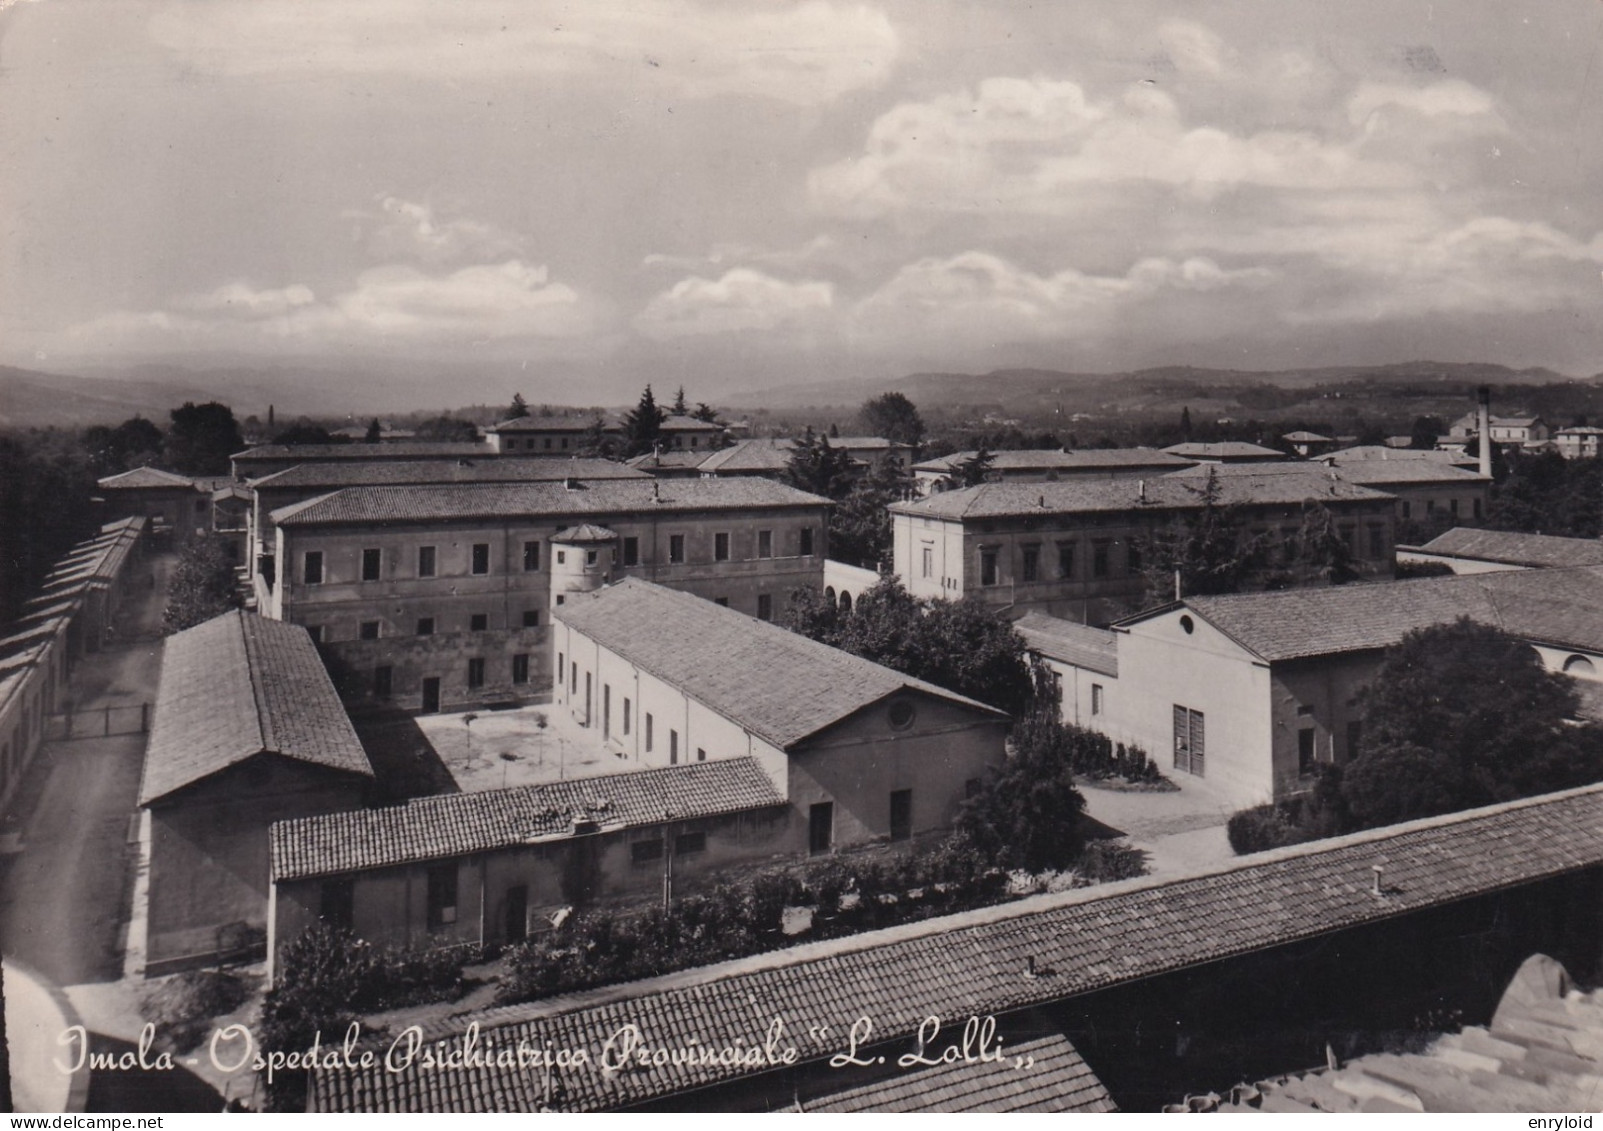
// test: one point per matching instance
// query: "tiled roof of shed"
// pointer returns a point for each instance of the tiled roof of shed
(1095, 649)
(375, 473)
(778, 684)
(1179, 490)
(1561, 607)
(1512, 548)
(144, 477)
(974, 964)
(234, 687)
(1058, 1080)
(455, 824)
(506, 500)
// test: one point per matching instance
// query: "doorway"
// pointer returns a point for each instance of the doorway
(431, 695)
(516, 926)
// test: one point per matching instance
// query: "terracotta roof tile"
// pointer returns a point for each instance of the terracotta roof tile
(1095, 649)
(377, 473)
(144, 477)
(440, 449)
(975, 964)
(1052, 459)
(778, 684)
(1509, 547)
(455, 824)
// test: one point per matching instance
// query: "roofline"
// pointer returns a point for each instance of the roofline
(813, 502)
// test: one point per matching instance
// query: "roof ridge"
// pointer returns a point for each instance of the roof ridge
(253, 666)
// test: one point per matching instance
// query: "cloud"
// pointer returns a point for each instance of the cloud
(978, 296)
(801, 53)
(741, 299)
(397, 304)
(404, 229)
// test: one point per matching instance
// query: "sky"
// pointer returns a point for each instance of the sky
(740, 195)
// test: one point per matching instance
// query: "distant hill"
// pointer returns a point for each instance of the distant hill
(29, 398)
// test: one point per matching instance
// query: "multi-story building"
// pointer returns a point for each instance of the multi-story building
(1506, 431)
(1044, 465)
(547, 435)
(439, 596)
(1073, 548)
(1578, 442)
(265, 459)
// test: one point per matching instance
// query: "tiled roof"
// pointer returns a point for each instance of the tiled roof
(1083, 646)
(1387, 454)
(1579, 430)
(440, 449)
(512, 501)
(767, 454)
(976, 963)
(455, 824)
(866, 443)
(1058, 1080)
(673, 457)
(1304, 437)
(551, 424)
(1560, 607)
(1055, 460)
(1365, 473)
(144, 477)
(778, 684)
(234, 687)
(585, 532)
(1228, 449)
(1180, 490)
(330, 476)
(689, 424)
(1512, 548)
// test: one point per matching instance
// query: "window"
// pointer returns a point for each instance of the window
(1305, 750)
(645, 851)
(626, 706)
(1377, 542)
(562, 557)
(807, 541)
(1408, 509)
(425, 561)
(721, 602)
(1031, 563)
(1099, 557)
(383, 681)
(561, 668)
(606, 710)
(531, 556)
(673, 747)
(315, 631)
(371, 560)
(312, 573)
(701, 754)
(425, 626)
(901, 814)
(987, 567)
(481, 557)
(765, 543)
(820, 827)
(720, 547)
(927, 560)
(479, 622)
(368, 630)
(1452, 507)
(520, 668)
(676, 548)
(442, 895)
(631, 551)
(561, 599)
(901, 713)
(687, 844)
(1477, 508)
(649, 728)
(1096, 698)
(336, 902)
(765, 607)
(475, 673)
(531, 618)
(1065, 560)
(1189, 746)
(591, 557)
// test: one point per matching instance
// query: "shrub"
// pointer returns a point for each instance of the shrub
(183, 1007)
(1104, 861)
(1261, 828)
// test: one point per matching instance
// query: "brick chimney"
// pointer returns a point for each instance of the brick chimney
(1483, 423)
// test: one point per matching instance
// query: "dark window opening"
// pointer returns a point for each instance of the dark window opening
(901, 814)
(531, 618)
(531, 556)
(821, 827)
(520, 668)
(312, 574)
(631, 551)
(1032, 563)
(371, 562)
(442, 895)
(720, 547)
(686, 844)
(478, 622)
(368, 630)
(645, 851)
(676, 548)
(765, 607)
(481, 557)
(425, 626)
(336, 903)
(475, 673)
(806, 541)
(425, 561)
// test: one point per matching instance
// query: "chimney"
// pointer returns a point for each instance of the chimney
(1378, 871)
(1141, 490)
(1483, 421)
(656, 491)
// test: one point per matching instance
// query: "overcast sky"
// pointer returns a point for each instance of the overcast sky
(755, 193)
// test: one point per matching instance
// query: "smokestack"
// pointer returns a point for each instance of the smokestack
(1483, 421)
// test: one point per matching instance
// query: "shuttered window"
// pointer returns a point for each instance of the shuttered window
(1190, 745)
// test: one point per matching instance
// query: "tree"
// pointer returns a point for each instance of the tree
(971, 472)
(448, 429)
(1210, 549)
(203, 586)
(860, 526)
(1461, 715)
(305, 432)
(1322, 554)
(1185, 421)
(816, 467)
(705, 413)
(679, 407)
(596, 443)
(1548, 494)
(642, 425)
(375, 432)
(894, 417)
(201, 438)
(46, 482)
(136, 442)
(519, 407)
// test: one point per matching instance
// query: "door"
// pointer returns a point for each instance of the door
(431, 695)
(516, 924)
(586, 698)
(821, 827)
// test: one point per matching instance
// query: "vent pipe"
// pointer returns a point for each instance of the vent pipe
(1483, 421)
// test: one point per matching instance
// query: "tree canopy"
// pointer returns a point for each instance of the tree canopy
(971, 472)
(519, 407)
(680, 406)
(136, 442)
(894, 417)
(203, 586)
(374, 433)
(860, 525)
(817, 467)
(201, 438)
(642, 425)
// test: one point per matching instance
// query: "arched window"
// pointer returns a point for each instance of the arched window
(829, 594)
(845, 602)
(1579, 665)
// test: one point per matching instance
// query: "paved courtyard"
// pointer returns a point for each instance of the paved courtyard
(1180, 831)
(528, 746)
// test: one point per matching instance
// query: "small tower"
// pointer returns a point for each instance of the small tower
(581, 560)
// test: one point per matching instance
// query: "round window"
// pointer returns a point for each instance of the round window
(901, 714)
(1188, 625)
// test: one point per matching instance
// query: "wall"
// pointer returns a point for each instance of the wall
(1319, 694)
(209, 852)
(1161, 665)
(910, 535)
(444, 656)
(1418, 502)
(1075, 685)
(849, 580)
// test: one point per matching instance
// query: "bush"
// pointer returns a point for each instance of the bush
(1105, 861)
(182, 1008)
(1261, 828)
